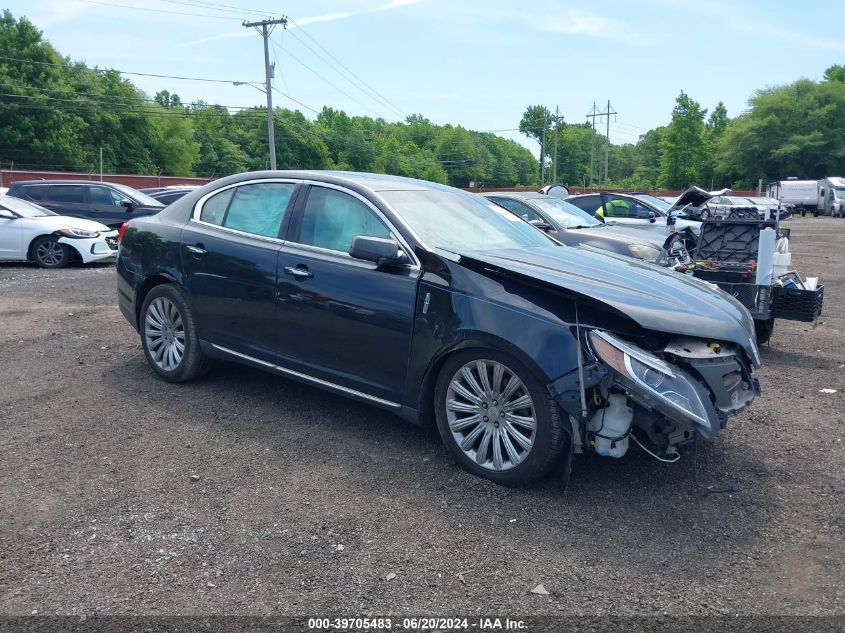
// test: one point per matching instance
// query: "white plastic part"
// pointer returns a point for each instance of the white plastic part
(765, 257)
(782, 262)
(614, 421)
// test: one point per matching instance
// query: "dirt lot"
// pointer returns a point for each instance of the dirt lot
(247, 493)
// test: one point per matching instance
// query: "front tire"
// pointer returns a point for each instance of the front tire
(496, 418)
(47, 252)
(169, 335)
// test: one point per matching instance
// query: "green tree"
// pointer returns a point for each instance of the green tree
(535, 124)
(682, 147)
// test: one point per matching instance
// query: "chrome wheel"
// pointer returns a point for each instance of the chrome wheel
(491, 415)
(164, 332)
(50, 253)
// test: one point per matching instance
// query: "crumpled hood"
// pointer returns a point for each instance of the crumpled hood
(67, 222)
(695, 197)
(656, 298)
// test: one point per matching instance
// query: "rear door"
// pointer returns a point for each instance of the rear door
(229, 255)
(67, 199)
(343, 320)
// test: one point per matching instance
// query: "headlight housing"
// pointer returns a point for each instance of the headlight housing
(78, 233)
(644, 251)
(671, 389)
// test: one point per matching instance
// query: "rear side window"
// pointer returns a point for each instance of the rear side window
(214, 209)
(35, 192)
(71, 194)
(256, 208)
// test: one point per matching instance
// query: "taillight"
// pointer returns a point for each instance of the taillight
(121, 231)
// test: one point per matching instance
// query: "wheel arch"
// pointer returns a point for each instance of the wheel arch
(145, 287)
(474, 341)
(30, 255)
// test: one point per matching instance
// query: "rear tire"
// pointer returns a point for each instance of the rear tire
(496, 418)
(169, 335)
(47, 252)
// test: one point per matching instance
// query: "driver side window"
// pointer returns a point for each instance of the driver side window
(617, 208)
(331, 219)
(518, 208)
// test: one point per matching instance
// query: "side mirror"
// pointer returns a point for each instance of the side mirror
(652, 217)
(378, 250)
(127, 204)
(543, 226)
(7, 215)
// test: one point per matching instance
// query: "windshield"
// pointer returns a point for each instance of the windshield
(455, 221)
(137, 195)
(23, 208)
(839, 192)
(662, 205)
(564, 213)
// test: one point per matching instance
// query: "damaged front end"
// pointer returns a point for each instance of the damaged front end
(662, 396)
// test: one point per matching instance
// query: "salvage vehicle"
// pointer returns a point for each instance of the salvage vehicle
(108, 203)
(574, 227)
(29, 232)
(434, 304)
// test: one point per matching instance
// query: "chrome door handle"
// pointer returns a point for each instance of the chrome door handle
(299, 273)
(196, 250)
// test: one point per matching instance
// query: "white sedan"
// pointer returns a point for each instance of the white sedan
(29, 232)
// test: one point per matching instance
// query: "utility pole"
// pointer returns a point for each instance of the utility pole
(557, 129)
(265, 28)
(592, 114)
(607, 142)
(543, 150)
(101, 163)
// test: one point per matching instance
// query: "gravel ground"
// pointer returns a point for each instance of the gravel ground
(245, 493)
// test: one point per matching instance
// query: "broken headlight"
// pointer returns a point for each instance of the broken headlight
(656, 379)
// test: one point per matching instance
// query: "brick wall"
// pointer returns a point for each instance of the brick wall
(132, 180)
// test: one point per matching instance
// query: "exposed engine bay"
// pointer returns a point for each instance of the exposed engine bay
(661, 397)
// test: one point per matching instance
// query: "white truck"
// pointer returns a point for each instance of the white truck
(831, 197)
(802, 194)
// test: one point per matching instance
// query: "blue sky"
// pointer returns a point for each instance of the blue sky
(476, 63)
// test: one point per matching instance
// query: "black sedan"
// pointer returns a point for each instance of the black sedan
(439, 306)
(574, 227)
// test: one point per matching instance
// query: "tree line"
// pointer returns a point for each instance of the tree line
(61, 115)
(793, 130)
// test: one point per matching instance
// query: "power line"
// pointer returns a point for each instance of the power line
(345, 67)
(126, 6)
(329, 82)
(122, 72)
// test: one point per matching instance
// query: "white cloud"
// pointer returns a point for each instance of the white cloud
(578, 22)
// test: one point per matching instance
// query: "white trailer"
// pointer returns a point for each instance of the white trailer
(831, 197)
(802, 194)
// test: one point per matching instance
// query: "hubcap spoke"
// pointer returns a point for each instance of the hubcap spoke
(483, 447)
(469, 440)
(510, 449)
(517, 436)
(461, 407)
(462, 391)
(497, 450)
(472, 382)
(464, 423)
(520, 403)
(481, 368)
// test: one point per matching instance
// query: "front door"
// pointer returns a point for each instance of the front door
(344, 320)
(11, 238)
(630, 211)
(229, 256)
(108, 206)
